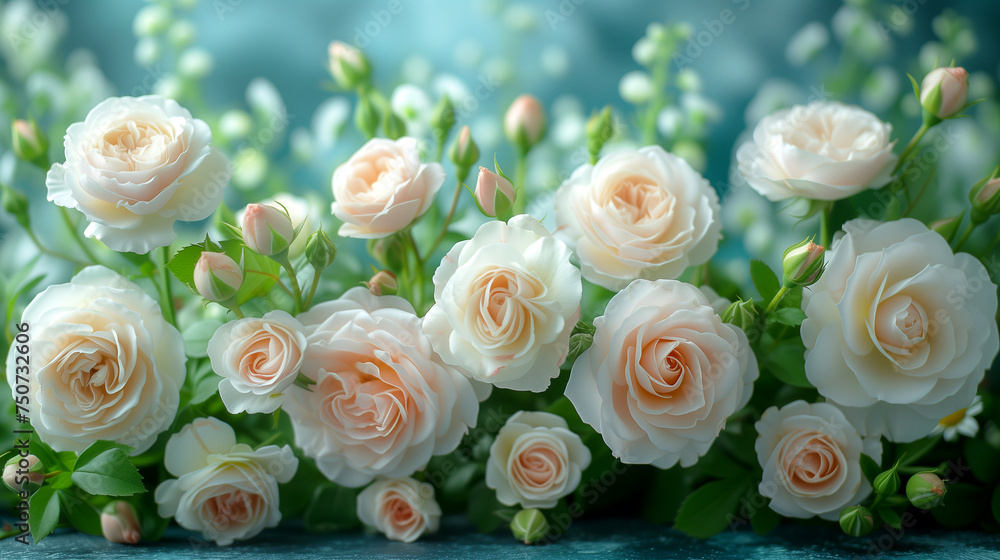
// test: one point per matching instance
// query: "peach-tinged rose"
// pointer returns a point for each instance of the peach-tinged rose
(821, 151)
(400, 508)
(535, 460)
(305, 216)
(506, 302)
(105, 365)
(383, 188)
(524, 121)
(899, 330)
(216, 276)
(383, 402)
(119, 523)
(226, 490)
(266, 229)
(811, 456)
(490, 186)
(258, 360)
(638, 214)
(663, 374)
(943, 91)
(134, 167)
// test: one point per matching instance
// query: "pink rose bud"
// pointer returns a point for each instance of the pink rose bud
(943, 91)
(802, 263)
(494, 194)
(23, 473)
(348, 65)
(30, 143)
(985, 198)
(524, 123)
(217, 277)
(464, 153)
(266, 229)
(383, 283)
(119, 523)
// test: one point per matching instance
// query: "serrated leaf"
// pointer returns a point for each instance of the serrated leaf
(83, 516)
(790, 316)
(787, 363)
(53, 461)
(260, 273)
(765, 280)
(96, 448)
(109, 474)
(708, 510)
(43, 512)
(870, 468)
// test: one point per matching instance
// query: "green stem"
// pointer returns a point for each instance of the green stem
(777, 298)
(994, 242)
(295, 283)
(312, 290)
(965, 236)
(520, 177)
(166, 291)
(237, 311)
(824, 227)
(463, 174)
(656, 102)
(440, 151)
(778, 339)
(907, 151)
(417, 286)
(52, 253)
(76, 237)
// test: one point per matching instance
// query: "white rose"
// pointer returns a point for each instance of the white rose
(811, 457)
(535, 460)
(258, 360)
(104, 363)
(638, 214)
(134, 167)
(226, 490)
(400, 508)
(663, 374)
(383, 187)
(821, 151)
(899, 330)
(506, 302)
(383, 402)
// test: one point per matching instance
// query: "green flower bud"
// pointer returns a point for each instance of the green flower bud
(887, 482)
(393, 125)
(30, 143)
(943, 92)
(320, 250)
(348, 65)
(529, 526)
(802, 263)
(600, 129)
(443, 118)
(366, 117)
(925, 490)
(16, 204)
(985, 198)
(463, 152)
(856, 521)
(23, 473)
(742, 314)
(948, 227)
(217, 277)
(524, 122)
(383, 283)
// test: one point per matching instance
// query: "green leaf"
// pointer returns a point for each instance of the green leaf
(98, 447)
(564, 408)
(485, 512)
(790, 316)
(196, 337)
(787, 363)
(983, 459)
(332, 509)
(200, 383)
(83, 516)
(870, 467)
(765, 280)
(108, 474)
(260, 273)
(708, 510)
(43, 512)
(890, 516)
(664, 496)
(53, 461)
(182, 264)
(764, 519)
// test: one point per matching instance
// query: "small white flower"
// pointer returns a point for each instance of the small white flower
(961, 422)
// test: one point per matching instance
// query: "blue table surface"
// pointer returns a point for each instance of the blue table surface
(602, 538)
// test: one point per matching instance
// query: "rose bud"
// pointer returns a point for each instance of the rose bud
(119, 523)
(16, 204)
(24, 473)
(886, 483)
(464, 153)
(985, 198)
(802, 263)
(443, 119)
(925, 490)
(348, 65)
(383, 283)
(600, 129)
(266, 229)
(320, 250)
(494, 194)
(393, 126)
(856, 521)
(524, 122)
(948, 227)
(30, 143)
(529, 526)
(943, 91)
(742, 314)
(366, 117)
(217, 277)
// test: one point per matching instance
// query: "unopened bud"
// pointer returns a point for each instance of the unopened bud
(524, 122)
(348, 65)
(948, 227)
(30, 143)
(463, 152)
(600, 129)
(23, 473)
(443, 118)
(217, 277)
(119, 523)
(383, 283)
(393, 126)
(943, 91)
(15, 203)
(266, 229)
(320, 250)
(366, 117)
(925, 490)
(529, 526)
(802, 263)
(985, 198)
(742, 314)
(494, 194)
(886, 483)
(857, 521)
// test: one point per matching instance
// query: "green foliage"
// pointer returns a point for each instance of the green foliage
(711, 507)
(332, 508)
(43, 511)
(260, 273)
(765, 280)
(104, 469)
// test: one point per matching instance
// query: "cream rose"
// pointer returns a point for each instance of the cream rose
(134, 167)
(821, 151)
(663, 374)
(226, 490)
(258, 360)
(104, 363)
(638, 214)
(899, 330)
(383, 187)
(400, 508)
(506, 302)
(811, 456)
(535, 460)
(383, 402)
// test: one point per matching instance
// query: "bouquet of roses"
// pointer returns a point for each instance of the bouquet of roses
(528, 369)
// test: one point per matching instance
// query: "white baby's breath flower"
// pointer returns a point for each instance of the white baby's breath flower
(961, 422)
